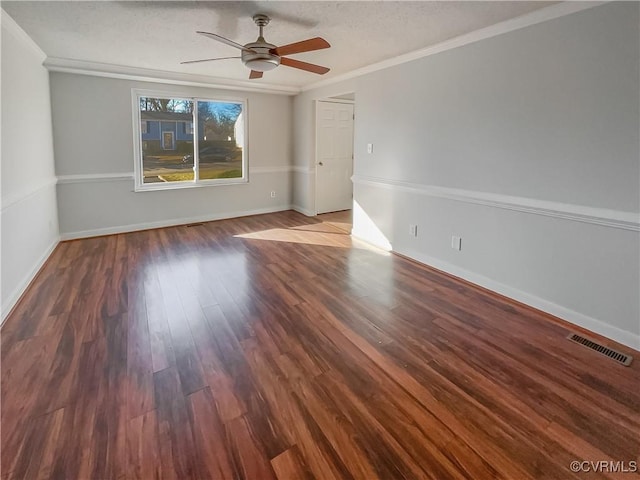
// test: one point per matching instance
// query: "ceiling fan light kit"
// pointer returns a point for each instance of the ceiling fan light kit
(261, 56)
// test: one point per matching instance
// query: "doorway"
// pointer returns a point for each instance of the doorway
(334, 155)
(167, 141)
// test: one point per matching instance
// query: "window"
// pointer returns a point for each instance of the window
(185, 141)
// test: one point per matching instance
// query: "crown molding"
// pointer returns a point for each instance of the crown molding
(526, 20)
(566, 211)
(10, 26)
(107, 70)
(122, 72)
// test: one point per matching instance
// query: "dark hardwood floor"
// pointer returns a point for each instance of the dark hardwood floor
(274, 346)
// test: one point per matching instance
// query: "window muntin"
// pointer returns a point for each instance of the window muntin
(182, 141)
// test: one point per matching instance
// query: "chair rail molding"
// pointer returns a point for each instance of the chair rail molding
(567, 211)
(120, 176)
(18, 197)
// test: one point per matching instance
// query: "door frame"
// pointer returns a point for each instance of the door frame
(173, 139)
(315, 151)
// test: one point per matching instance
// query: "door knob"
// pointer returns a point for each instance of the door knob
(320, 163)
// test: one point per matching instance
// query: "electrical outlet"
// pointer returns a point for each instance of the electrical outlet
(273, 194)
(413, 230)
(456, 243)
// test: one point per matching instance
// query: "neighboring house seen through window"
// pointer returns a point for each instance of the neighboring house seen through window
(184, 141)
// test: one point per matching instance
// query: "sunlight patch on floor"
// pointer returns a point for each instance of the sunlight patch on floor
(322, 234)
(320, 228)
(294, 235)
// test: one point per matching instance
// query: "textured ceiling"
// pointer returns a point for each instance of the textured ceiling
(159, 35)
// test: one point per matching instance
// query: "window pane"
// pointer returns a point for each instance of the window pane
(167, 146)
(220, 139)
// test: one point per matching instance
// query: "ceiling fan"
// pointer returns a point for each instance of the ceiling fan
(261, 56)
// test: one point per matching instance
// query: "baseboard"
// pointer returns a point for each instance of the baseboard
(303, 210)
(9, 304)
(168, 223)
(589, 323)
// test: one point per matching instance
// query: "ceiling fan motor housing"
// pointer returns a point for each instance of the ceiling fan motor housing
(259, 57)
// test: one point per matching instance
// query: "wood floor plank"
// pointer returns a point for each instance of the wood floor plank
(249, 460)
(175, 437)
(108, 452)
(277, 347)
(162, 353)
(42, 432)
(143, 459)
(139, 357)
(221, 385)
(289, 465)
(51, 444)
(389, 458)
(22, 374)
(213, 452)
(297, 423)
(73, 455)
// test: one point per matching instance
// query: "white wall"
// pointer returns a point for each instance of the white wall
(527, 146)
(93, 137)
(28, 218)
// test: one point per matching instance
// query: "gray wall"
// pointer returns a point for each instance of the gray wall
(93, 140)
(29, 223)
(526, 145)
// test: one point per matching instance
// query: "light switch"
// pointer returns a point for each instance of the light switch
(369, 147)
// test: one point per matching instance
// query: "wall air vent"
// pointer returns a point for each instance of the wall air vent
(598, 347)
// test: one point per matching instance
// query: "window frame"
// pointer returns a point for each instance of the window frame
(140, 186)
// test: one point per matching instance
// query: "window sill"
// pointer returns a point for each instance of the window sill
(158, 187)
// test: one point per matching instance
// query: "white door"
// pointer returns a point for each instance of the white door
(334, 156)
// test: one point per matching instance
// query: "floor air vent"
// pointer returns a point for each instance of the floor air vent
(194, 224)
(598, 347)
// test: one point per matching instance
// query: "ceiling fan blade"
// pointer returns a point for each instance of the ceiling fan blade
(255, 74)
(224, 40)
(206, 60)
(309, 45)
(309, 67)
